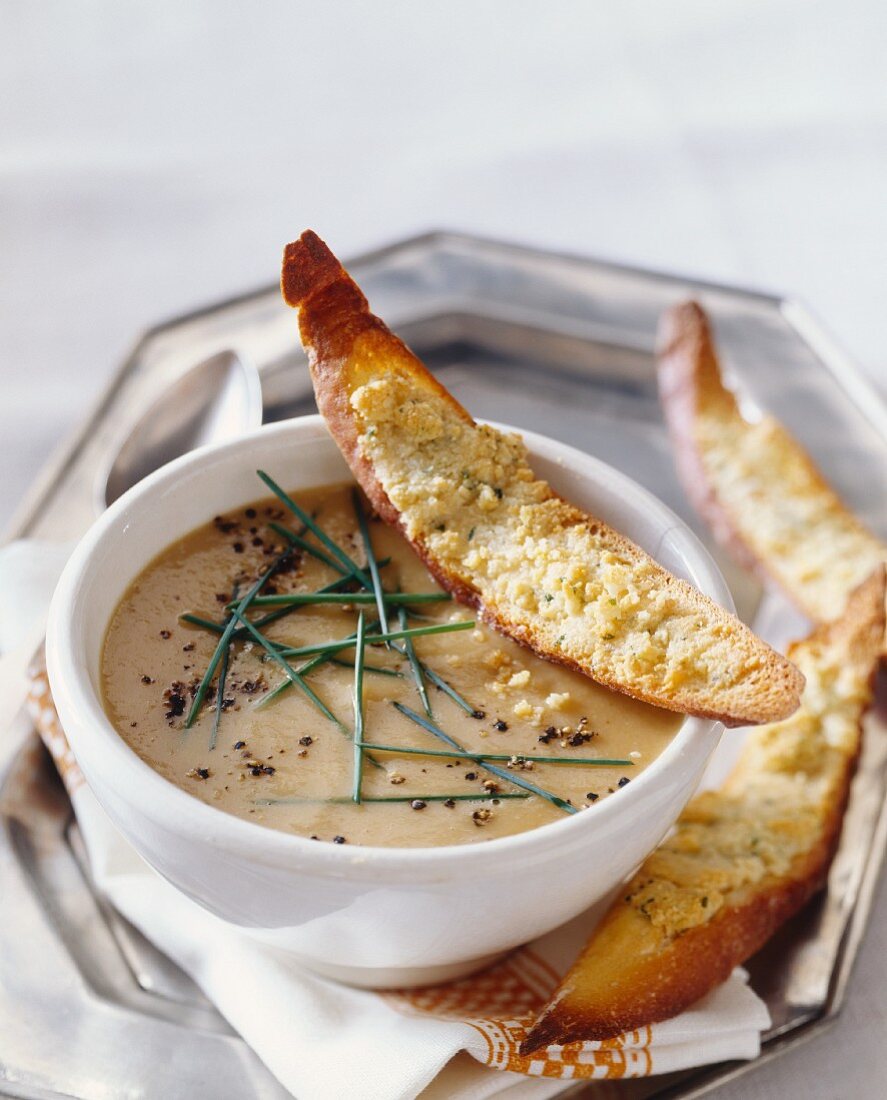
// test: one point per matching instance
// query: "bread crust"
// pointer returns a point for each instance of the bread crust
(687, 372)
(348, 348)
(661, 971)
(695, 400)
(670, 981)
(333, 316)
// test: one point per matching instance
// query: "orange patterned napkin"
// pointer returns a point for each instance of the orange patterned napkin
(406, 1037)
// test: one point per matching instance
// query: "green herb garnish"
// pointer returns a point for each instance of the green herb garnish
(448, 689)
(220, 691)
(516, 757)
(206, 624)
(319, 659)
(302, 671)
(295, 539)
(509, 777)
(379, 670)
(220, 697)
(273, 616)
(225, 639)
(414, 662)
(350, 565)
(373, 639)
(290, 673)
(284, 685)
(487, 797)
(358, 709)
(238, 627)
(288, 609)
(378, 591)
(301, 599)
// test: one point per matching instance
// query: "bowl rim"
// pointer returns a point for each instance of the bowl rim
(80, 708)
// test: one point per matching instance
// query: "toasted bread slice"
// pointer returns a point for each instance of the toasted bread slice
(536, 568)
(741, 860)
(755, 485)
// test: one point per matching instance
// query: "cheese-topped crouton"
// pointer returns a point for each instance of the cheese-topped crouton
(755, 485)
(501, 540)
(741, 860)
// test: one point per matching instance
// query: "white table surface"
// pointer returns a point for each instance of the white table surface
(155, 156)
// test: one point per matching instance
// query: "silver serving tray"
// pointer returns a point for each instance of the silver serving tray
(558, 344)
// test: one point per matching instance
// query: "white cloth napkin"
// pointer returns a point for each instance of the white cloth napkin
(321, 1039)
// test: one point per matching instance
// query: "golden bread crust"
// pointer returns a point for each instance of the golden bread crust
(540, 570)
(334, 316)
(754, 484)
(741, 860)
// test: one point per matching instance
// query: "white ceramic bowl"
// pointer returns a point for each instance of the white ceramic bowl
(370, 916)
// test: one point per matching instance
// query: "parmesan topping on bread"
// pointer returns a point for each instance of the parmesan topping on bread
(758, 488)
(740, 860)
(535, 567)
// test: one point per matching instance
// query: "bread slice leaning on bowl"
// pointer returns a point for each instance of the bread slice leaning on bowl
(757, 487)
(535, 567)
(741, 860)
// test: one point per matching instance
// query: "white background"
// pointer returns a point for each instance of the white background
(155, 156)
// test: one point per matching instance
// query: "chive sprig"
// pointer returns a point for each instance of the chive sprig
(513, 757)
(225, 639)
(373, 639)
(237, 626)
(415, 665)
(302, 599)
(486, 796)
(220, 692)
(378, 591)
(348, 562)
(358, 709)
(303, 544)
(510, 777)
(294, 677)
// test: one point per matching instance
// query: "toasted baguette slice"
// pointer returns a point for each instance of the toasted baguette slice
(536, 568)
(741, 860)
(755, 485)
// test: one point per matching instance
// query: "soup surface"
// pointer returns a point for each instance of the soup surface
(286, 764)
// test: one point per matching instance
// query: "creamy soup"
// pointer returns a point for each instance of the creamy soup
(289, 762)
